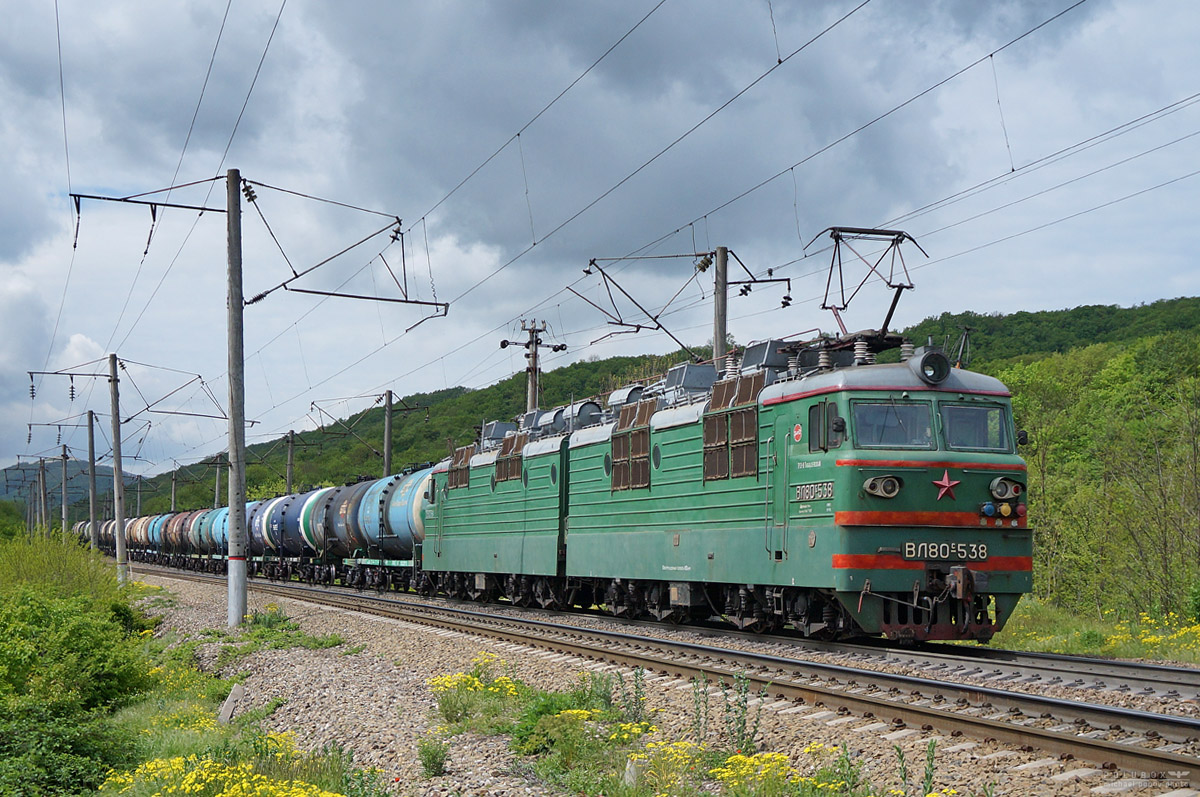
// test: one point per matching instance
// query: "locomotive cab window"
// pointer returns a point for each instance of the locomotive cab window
(976, 427)
(824, 430)
(892, 424)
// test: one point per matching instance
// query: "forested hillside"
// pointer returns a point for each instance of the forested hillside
(998, 337)
(1114, 472)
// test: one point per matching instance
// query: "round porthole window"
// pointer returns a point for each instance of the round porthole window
(554, 474)
(608, 464)
(656, 455)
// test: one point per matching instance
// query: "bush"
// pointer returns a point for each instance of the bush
(56, 747)
(527, 737)
(55, 648)
(433, 753)
(60, 568)
(68, 655)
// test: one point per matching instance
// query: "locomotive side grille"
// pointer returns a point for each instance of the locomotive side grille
(743, 425)
(639, 459)
(459, 474)
(716, 464)
(723, 393)
(744, 460)
(716, 448)
(627, 417)
(620, 461)
(645, 409)
(748, 387)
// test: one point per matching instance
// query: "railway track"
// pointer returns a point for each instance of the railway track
(1083, 673)
(1153, 745)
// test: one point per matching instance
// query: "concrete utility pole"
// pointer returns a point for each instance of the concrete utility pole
(174, 480)
(44, 490)
(291, 461)
(387, 435)
(93, 529)
(118, 473)
(237, 405)
(532, 386)
(64, 494)
(720, 299)
(531, 354)
(139, 496)
(217, 485)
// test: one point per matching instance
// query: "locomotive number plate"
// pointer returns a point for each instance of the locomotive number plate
(946, 551)
(818, 491)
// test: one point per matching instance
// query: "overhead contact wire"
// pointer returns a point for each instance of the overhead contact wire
(224, 154)
(62, 95)
(668, 148)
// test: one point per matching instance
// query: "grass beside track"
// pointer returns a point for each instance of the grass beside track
(1041, 627)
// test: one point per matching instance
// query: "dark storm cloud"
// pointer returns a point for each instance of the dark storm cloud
(132, 84)
(495, 67)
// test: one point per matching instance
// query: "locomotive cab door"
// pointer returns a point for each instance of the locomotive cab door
(801, 472)
(780, 455)
(779, 478)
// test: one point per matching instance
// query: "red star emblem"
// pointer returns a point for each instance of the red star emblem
(945, 485)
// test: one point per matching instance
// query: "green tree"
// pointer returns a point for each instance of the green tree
(12, 520)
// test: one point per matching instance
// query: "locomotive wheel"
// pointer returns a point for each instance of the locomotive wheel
(425, 586)
(519, 591)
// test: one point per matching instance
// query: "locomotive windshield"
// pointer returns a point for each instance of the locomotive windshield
(892, 424)
(975, 428)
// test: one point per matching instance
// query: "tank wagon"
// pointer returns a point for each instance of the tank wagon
(806, 485)
(363, 534)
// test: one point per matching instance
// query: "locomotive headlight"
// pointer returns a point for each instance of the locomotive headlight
(930, 365)
(882, 486)
(1004, 489)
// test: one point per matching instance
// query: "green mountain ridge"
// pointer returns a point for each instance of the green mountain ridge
(12, 488)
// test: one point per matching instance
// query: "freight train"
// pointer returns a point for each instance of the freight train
(806, 485)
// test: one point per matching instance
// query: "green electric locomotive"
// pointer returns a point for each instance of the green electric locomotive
(806, 485)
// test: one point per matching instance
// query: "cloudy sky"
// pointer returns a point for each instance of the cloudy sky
(1043, 153)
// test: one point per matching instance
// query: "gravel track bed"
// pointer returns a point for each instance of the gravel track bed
(375, 703)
